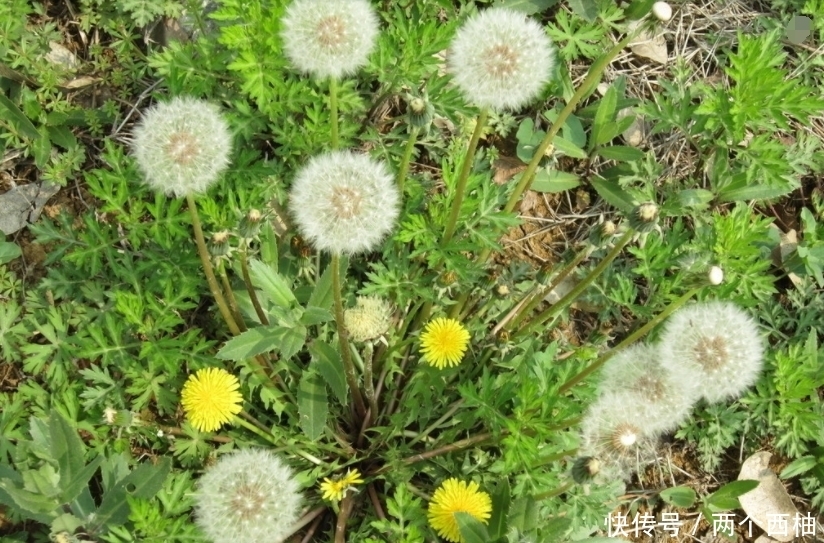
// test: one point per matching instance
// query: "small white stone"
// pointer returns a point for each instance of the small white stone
(662, 11)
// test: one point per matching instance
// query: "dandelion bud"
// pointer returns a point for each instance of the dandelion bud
(585, 468)
(608, 229)
(369, 319)
(219, 244)
(714, 344)
(344, 202)
(250, 225)
(716, 275)
(248, 496)
(420, 112)
(182, 146)
(121, 417)
(502, 291)
(501, 59)
(329, 39)
(662, 11)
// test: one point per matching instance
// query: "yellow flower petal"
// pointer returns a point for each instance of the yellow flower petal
(444, 342)
(210, 398)
(455, 496)
(335, 489)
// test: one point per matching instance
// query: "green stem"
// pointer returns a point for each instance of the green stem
(230, 296)
(333, 107)
(434, 426)
(583, 91)
(343, 337)
(552, 493)
(242, 420)
(206, 260)
(538, 297)
(368, 383)
(250, 288)
(629, 340)
(407, 156)
(544, 460)
(576, 291)
(460, 186)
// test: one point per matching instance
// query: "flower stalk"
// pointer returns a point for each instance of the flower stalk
(343, 338)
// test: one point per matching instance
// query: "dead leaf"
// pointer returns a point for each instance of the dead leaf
(79, 82)
(653, 47)
(505, 168)
(769, 499)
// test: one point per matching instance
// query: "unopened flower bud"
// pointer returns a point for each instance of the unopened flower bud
(420, 112)
(250, 224)
(647, 212)
(716, 275)
(502, 290)
(219, 245)
(662, 11)
(448, 278)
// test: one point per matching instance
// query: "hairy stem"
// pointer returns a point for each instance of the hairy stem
(206, 260)
(460, 186)
(250, 288)
(343, 338)
(230, 296)
(629, 340)
(403, 167)
(570, 297)
(333, 111)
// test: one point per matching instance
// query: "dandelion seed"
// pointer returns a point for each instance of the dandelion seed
(455, 496)
(182, 146)
(211, 399)
(714, 344)
(247, 497)
(501, 59)
(329, 38)
(444, 342)
(344, 202)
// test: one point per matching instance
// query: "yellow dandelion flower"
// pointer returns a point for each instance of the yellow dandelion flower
(210, 398)
(455, 496)
(444, 342)
(335, 489)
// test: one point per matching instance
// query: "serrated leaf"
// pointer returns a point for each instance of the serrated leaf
(322, 296)
(604, 116)
(679, 496)
(144, 482)
(527, 7)
(315, 315)
(799, 466)
(252, 342)
(554, 181)
(621, 153)
(66, 447)
(726, 497)
(36, 506)
(472, 531)
(500, 509)
(72, 488)
(312, 405)
(695, 197)
(740, 190)
(568, 148)
(273, 285)
(326, 361)
(290, 340)
(17, 118)
(523, 514)
(586, 9)
(613, 195)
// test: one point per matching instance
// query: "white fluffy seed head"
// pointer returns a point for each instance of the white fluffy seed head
(327, 38)
(714, 344)
(344, 202)
(617, 435)
(501, 59)
(182, 146)
(651, 389)
(248, 496)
